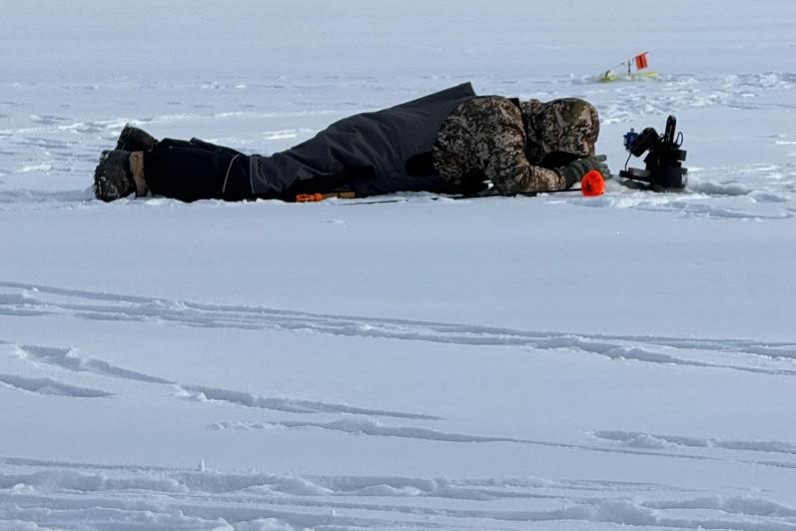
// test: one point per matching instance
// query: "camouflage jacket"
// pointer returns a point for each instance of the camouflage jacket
(517, 146)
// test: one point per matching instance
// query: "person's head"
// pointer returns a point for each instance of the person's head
(562, 127)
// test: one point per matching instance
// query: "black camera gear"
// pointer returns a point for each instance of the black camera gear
(664, 170)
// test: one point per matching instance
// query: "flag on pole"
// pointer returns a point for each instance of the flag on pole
(641, 61)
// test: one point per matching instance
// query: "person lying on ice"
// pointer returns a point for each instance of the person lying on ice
(448, 142)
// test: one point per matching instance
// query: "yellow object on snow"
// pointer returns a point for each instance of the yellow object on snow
(640, 61)
(609, 76)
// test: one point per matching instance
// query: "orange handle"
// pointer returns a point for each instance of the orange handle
(309, 198)
(314, 198)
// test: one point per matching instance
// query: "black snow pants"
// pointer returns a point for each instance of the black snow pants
(190, 170)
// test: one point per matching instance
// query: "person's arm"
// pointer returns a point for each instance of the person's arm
(528, 179)
(525, 178)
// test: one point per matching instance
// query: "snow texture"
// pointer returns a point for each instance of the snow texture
(551, 363)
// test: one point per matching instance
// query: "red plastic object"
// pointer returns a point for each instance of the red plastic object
(592, 184)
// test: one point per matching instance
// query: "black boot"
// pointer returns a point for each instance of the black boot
(113, 178)
(135, 139)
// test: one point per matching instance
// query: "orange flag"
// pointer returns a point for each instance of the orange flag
(641, 61)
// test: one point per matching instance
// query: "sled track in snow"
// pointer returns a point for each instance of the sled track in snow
(29, 300)
(38, 494)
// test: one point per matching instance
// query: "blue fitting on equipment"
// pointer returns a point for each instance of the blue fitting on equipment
(630, 137)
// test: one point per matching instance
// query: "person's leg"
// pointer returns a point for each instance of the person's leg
(189, 171)
(181, 169)
(113, 176)
(134, 139)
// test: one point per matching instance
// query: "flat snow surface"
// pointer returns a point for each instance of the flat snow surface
(551, 363)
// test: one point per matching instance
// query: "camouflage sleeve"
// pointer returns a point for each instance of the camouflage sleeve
(530, 179)
(506, 166)
(485, 140)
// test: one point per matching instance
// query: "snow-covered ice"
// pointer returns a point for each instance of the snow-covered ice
(552, 363)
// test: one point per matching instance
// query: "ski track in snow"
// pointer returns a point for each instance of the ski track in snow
(48, 386)
(628, 442)
(28, 300)
(40, 494)
(289, 405)
(66, 358)
(646, 440)
(373, 428)
(69, 360)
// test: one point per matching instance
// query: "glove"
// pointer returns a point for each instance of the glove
(575, 170)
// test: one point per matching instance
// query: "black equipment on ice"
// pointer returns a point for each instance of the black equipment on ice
(664, 170)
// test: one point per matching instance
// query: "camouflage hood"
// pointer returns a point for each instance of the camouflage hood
(568, 125)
